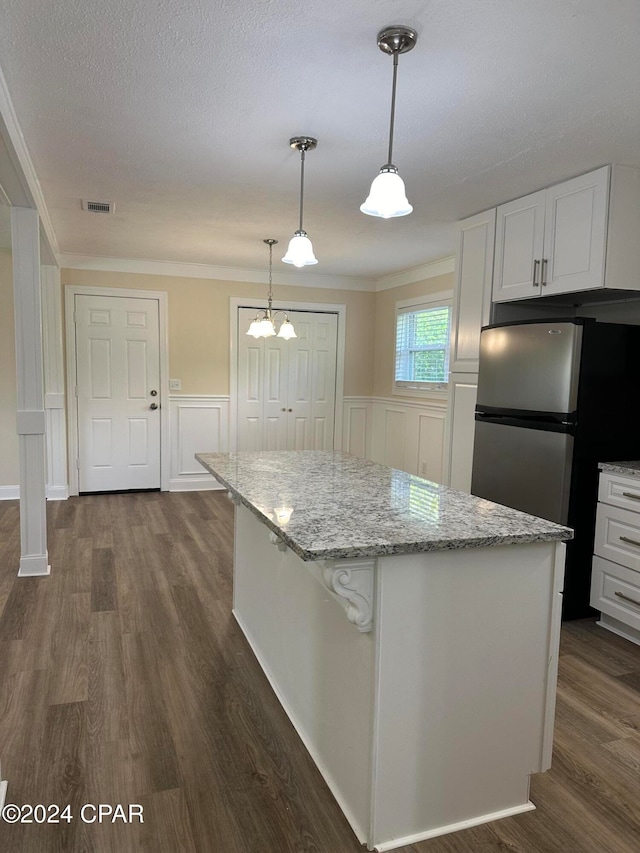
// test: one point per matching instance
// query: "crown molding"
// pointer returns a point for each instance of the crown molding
(444, 266)
(190, 270)
(24, 170)
(290, 279)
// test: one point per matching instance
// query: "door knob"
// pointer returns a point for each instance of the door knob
(290, 410)
(153, 393)
(284, 410)
(153, 406)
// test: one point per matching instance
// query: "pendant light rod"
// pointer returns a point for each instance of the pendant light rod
(302, 153)
(393, 105)
(302, 144)
(395, 40)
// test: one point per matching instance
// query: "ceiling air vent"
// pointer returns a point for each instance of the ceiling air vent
(98, 206)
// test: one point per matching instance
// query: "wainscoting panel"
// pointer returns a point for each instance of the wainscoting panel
(357, 426)
(199, 424)
(431, 435)
(409, 435)
(394, 436)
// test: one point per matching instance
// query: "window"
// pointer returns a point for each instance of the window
(422, 345)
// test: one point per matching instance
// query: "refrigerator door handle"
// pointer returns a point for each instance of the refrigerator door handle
(536, 264)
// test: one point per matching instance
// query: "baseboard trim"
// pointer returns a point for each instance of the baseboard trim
(57, 493)
(9, 493)
(197, 483)
(54, 493)
(34, 567)
(454, 827)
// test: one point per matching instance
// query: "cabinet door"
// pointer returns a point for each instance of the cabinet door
(472, 299)
(519, 242)
(463, 389)
(576, 233)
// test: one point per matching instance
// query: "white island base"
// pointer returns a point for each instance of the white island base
(428, 713)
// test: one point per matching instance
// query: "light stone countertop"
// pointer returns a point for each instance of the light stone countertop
(630, 469)
(344, 507)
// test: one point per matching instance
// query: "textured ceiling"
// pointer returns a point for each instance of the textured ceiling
(180, 113)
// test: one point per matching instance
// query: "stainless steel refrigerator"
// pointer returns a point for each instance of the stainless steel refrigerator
(554, 399)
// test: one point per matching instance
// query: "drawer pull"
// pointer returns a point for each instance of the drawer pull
(631, 495)
(628, 598)
(630, 541)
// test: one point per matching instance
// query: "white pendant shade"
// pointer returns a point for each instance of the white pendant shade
(254, 329)
(300, 251)
(387, 197)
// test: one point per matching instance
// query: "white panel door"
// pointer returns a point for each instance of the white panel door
(286, 389)
(118, 376)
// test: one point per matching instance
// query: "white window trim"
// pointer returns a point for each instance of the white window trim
(429, 300)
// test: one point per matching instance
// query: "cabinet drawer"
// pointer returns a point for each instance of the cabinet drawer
(618, 535)
(615, 590)
(618, 490)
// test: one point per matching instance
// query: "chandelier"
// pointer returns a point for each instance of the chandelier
(263, 326)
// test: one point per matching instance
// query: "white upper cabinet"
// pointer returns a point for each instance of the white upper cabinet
(472, 300)
(577, 236)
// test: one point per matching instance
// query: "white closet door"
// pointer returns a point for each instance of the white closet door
(286, 389)
(118, 375)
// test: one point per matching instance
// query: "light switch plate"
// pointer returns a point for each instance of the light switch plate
(175, 385)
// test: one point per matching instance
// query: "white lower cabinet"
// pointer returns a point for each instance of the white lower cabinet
(615, 578)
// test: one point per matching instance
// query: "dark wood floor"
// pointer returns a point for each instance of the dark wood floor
(124, 679)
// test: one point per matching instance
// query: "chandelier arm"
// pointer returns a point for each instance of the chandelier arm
(393, 105)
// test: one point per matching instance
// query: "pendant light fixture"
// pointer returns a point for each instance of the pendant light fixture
(300, 251)
(263, 326)
(387, 196)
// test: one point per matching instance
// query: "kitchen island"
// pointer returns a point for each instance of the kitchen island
(410, 632)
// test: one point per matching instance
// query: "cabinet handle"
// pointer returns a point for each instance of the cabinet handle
(543, 263)
(631, 495)
(628, 598)
(536, 263)
(630, 541)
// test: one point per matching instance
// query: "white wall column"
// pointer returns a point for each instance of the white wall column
(25, 238)
(54, 401)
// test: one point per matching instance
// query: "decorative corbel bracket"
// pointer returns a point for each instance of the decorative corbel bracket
(352, 582)
(276, 540)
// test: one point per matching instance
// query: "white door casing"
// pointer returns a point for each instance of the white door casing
(115, 358)
(286, 390)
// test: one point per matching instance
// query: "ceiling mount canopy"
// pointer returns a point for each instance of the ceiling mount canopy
(300, 251)
(264, 326)
(387, 196)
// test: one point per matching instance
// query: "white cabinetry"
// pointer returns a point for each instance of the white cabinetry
(615, 580)
(579, 235)
(472, 297)
(471, 308)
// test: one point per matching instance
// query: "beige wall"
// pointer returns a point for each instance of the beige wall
(9, 469)
(385, 326)
(199, 324)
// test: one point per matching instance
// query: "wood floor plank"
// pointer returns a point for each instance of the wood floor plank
(124, 678)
